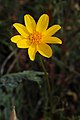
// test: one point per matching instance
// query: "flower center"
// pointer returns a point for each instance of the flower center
(35, 37)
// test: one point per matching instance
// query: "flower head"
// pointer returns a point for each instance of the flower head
(36, 36)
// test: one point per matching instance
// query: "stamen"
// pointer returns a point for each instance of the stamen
(35, 37)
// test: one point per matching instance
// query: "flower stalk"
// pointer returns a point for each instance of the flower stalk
(49, 95)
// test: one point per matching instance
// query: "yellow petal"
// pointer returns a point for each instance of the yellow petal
(52, 40)
(21, 29)
(30, 23)
(42, 23)
(24, 43)
(16, 38)
(32, 52)
(52, 30)
(44, 50)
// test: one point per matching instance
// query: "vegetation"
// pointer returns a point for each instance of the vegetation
(23, 82)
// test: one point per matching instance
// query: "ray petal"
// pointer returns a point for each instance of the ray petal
(32, 52)
(52, 40)
(42, 23)
(52, 30)
(30, 23)
(16, 38)
(24, 43)
(21, 29)
(44, 50)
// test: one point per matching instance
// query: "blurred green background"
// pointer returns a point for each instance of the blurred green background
(22, 81)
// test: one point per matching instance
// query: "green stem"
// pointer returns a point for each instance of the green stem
(48, 84)
(46, 75)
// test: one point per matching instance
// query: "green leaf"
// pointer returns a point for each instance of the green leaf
(14, 78)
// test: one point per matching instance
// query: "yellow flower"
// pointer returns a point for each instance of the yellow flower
(36, 36)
